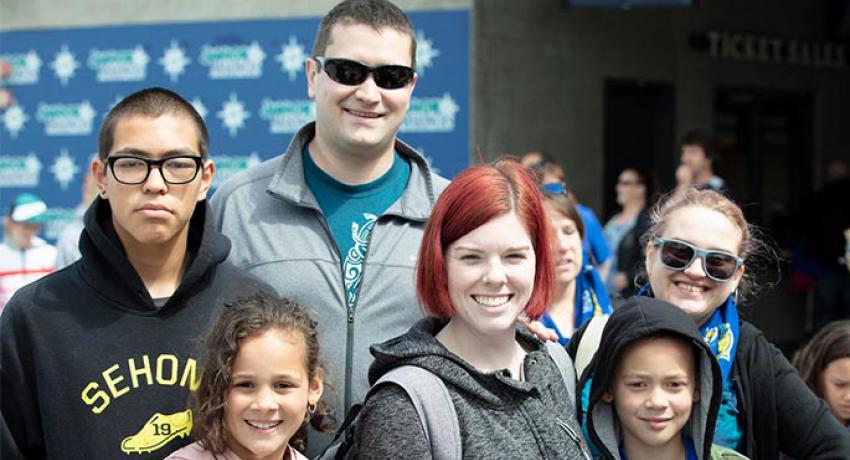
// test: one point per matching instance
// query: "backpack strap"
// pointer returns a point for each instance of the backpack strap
(434, 406)
(589, 343)
(565, 365)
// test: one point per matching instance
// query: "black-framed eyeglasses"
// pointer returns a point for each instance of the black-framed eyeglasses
(351, 73)
(133, 170)
(678, 255)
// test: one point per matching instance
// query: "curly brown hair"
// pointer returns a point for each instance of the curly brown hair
(248, 317)
(830, 344)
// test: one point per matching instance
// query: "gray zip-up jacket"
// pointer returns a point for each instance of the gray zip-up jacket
(498, 417)
(280, 235)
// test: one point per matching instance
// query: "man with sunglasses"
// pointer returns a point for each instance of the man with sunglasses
(98, 359)
(335, 223)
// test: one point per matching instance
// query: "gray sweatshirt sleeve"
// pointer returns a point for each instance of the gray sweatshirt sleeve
(390, 428)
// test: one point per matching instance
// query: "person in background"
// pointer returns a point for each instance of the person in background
(67, 245)
(551, 175)
(657, 387)
(635, 190)
(824, 364)
(24, 257)
(579, 293)
(261, 380)
(698, 155)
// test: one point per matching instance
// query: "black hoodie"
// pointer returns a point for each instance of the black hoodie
(638, 318)
(91, 368)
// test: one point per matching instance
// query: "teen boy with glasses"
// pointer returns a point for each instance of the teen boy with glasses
(98, 359)
(335, 223)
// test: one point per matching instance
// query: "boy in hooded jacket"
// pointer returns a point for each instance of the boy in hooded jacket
(656, 387)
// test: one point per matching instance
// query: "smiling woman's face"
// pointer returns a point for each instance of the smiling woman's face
(690, 289)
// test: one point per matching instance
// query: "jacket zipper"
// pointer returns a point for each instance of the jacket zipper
(349, 350)
(349, 332)
(572, 434)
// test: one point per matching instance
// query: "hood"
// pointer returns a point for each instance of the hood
(419, 347)
(106, 269)
(637, 318)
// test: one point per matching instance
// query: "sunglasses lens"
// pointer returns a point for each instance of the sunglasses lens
(720, 266)
(676, 255)
(352, 73)
(393, 76)
(346, 72)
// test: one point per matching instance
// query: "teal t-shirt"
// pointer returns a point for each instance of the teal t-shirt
(352, 210)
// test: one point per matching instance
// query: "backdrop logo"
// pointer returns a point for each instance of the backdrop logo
(425, 52)
(66, 119)
(119, 64)
(25, 68)
(287, 115)
(233, 114)
(241, 61)
(14, 119)
(174, 61)
(64, 169)
(19, 171)
(431, 115)
(199, 106)
(64, 65)
(291, 58)
(228, 165)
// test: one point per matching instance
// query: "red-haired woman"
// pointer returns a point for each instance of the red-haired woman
(485, 259)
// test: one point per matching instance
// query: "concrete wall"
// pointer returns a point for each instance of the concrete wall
(541, 70)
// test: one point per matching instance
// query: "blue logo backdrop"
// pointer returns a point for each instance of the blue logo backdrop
(246, 78)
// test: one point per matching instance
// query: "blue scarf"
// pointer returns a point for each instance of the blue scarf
(591, 300)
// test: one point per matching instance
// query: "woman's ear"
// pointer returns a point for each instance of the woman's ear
(607, 397)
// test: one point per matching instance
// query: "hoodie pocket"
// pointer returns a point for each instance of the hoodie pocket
(574, 436)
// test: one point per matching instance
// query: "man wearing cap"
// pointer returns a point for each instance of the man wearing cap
(24, 257)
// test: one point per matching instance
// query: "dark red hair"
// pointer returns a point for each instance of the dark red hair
(475, 197)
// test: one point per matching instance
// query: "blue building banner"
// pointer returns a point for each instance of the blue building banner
(246, 78)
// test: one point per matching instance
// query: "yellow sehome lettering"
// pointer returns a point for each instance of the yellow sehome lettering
(189, 375)
(144, 370)
(90, 399)
(160, 365)
(112, 383)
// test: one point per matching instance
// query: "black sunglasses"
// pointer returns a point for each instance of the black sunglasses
(351, 73)
(678, 255)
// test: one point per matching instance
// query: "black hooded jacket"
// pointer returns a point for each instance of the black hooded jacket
(639, 318)
(91, 368)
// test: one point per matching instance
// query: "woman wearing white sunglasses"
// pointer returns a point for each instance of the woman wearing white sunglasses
(698, 248)
(700, 255)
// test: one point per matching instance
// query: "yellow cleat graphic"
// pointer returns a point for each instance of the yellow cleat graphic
(158, 431)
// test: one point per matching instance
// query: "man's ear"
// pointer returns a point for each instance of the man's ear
(99, 171)
(207, 173)
(311, 70)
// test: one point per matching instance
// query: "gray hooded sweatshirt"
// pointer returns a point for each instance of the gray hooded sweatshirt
(499, 417)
